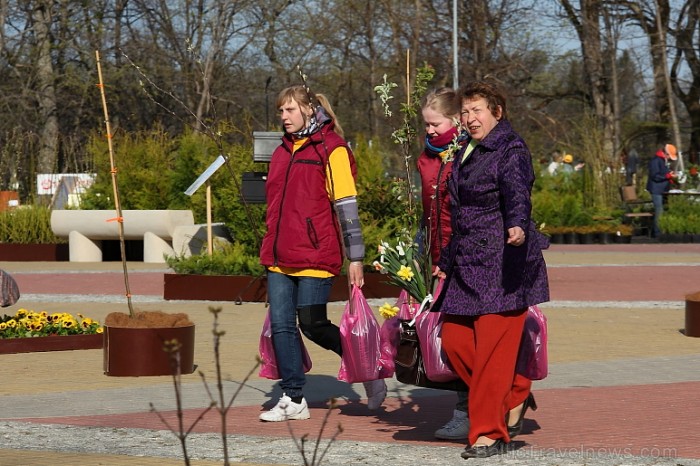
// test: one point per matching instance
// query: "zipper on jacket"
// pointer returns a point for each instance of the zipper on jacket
(312, 233)
(279, 213)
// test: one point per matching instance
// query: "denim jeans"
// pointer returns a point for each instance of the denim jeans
(658, 201)
(287, 294)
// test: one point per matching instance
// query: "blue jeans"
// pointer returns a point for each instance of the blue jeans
(658, 201)
(286, 294)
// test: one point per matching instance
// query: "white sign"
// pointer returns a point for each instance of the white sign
(205, 175)
(46, 183)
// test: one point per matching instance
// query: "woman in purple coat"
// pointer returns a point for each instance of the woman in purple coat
(494, 269)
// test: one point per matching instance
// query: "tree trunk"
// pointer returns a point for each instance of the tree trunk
(688, 56)
(587, 24)
(46, 93)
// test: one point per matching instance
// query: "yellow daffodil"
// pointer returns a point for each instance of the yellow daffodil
(405, 273)
(388, 311)
(402, 261)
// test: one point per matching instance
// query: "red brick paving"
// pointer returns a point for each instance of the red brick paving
(590, 283)
(624, 283)
(646, 420)
(103, 283)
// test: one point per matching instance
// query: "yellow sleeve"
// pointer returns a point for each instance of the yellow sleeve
(343, 184)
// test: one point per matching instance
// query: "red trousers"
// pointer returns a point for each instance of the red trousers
(483, 350)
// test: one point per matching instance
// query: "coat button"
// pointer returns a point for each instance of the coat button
(483, 242)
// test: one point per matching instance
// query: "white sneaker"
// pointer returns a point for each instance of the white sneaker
(285, 410)
(456, 428)
(376, 392)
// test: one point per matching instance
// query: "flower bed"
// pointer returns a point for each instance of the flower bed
(30, 331)
(50, 343)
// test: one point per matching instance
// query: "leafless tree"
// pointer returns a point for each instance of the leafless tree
(687, 89)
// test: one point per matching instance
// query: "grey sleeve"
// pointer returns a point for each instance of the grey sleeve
(350, 226)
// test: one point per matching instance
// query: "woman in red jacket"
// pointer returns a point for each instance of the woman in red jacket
(440, 109)
(312, 223)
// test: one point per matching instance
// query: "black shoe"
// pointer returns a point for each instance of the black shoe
(483, 451)
(528, 403)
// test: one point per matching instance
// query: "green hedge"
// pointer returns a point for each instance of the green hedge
(681, 216)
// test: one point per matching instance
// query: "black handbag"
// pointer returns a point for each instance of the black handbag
(409, 367)
(9, 291)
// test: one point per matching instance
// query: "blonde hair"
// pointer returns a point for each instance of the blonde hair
(444, 101)
(299, 95)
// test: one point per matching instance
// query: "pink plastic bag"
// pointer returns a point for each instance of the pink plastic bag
(268, 367)
(532, 356)
(429, 332)
(359, 338)
(390, 334)
(407, 309)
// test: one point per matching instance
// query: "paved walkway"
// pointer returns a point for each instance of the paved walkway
(622, 390)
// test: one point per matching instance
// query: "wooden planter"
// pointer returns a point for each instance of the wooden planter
(14, 252)
(214, 287)
(50, 343)
(251, 289)
(139, 352)
(692, 315)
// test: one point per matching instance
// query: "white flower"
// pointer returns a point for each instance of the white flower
(400, 250)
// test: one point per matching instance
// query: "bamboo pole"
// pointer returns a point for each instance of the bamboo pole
(113, 170)
(210, 236)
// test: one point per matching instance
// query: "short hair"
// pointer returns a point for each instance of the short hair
(443, 100)
(490, 92)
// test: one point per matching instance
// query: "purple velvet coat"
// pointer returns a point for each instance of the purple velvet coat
(490, 192)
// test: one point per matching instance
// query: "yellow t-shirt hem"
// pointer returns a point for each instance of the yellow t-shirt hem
(315, 273)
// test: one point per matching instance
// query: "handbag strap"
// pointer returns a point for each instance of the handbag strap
(427, 300)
